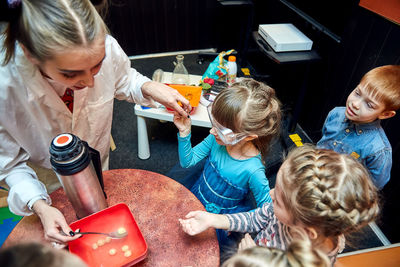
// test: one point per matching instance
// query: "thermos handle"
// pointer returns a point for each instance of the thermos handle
(95, 157)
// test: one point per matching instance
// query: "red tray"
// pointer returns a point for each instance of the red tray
(109, 220)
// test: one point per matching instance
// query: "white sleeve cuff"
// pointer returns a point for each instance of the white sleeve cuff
(24, 194)
(33, 200)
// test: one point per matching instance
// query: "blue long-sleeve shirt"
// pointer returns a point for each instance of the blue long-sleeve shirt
(246, 173)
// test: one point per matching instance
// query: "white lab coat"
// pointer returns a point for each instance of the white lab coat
(32, 114)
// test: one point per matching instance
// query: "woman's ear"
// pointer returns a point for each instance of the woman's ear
(29, 56)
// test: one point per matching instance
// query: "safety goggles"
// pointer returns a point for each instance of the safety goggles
(226, 135)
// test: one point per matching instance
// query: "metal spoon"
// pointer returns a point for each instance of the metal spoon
(120, 233)
(114, 235)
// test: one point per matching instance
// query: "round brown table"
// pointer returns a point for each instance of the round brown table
(156, 203)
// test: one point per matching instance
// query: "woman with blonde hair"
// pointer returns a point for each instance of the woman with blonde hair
(61, 72)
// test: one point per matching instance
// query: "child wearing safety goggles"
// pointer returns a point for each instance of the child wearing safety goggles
(245, 117)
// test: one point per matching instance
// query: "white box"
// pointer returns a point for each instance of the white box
(284, 37)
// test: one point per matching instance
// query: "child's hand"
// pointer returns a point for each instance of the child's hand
(195, 223)
(247, 242)
(183, 124)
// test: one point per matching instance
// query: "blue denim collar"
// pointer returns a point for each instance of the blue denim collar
(359, 128)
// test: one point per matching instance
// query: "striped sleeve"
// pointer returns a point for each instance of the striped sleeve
(251, 222)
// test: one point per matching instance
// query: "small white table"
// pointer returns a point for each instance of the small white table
(199, 118)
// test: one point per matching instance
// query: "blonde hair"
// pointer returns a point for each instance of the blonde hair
(383, 83)
(37, 254)
(46, 27)
(250, 107)
(329, 191)
(299, 253)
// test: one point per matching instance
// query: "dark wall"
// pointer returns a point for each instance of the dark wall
(153, 26)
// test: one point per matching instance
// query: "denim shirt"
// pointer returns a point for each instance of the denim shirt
(366, 142)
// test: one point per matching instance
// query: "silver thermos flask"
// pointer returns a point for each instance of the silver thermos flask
(79, 167)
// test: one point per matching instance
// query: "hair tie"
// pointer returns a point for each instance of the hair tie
(14, 3)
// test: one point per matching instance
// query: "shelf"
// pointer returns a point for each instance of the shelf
(285, 57)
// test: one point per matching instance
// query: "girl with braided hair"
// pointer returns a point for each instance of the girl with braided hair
(320, 191)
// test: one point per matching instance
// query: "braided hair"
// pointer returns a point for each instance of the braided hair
(329, 191)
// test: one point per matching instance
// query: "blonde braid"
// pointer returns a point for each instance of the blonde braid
(301, 252)
(329, 191)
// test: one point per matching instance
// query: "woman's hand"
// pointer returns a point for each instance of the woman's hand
(55, 227)
(183, 124)
(167, 96)
(246, 242)
(199, 221)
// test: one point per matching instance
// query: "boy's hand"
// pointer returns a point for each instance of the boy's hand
(183, 123)
(196, 222)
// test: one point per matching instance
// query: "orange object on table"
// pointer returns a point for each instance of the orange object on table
(156, 202)
(190, 92)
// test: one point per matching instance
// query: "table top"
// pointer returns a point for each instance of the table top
(199, 117)
(156, 203)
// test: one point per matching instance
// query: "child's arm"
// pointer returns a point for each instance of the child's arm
(189, 156)
(252, 221)
(329, 127)
(379, 166)
(199, 221)
(259, 186)
(183, 124)
(244, 222)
